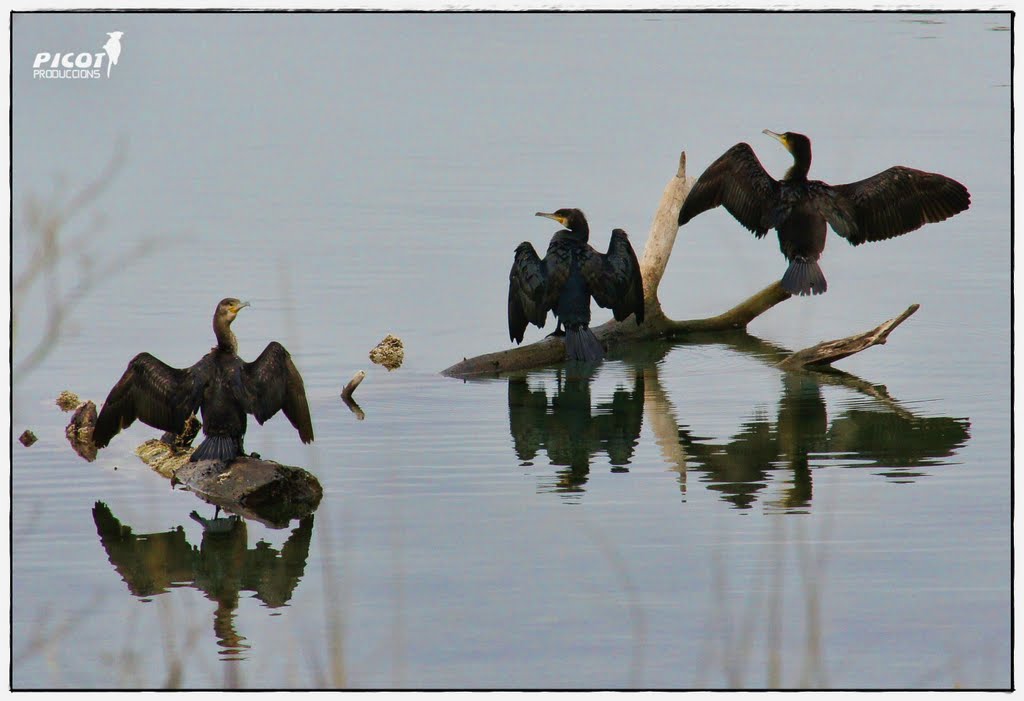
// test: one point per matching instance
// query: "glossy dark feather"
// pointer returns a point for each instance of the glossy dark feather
(273, 384)
(527, 285)
(892, 203)
(152, 392)
(614, 278)
(738, 182)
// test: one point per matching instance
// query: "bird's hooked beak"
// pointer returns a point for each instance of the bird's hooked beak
(237, 308)
(564, 221)
(781, 138)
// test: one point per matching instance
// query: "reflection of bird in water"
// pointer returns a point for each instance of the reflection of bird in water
(113, 49)
(572, 431)
(221, 384)
(891, 203)
(802, 432)
(222, 567)
(563, 282)
(902, 442)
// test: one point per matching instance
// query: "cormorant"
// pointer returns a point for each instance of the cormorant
(567, 277)
(221, 384)
(891, 203)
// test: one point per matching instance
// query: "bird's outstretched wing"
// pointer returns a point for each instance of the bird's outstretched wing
(272, 384)
(154, 393)
(614, 278)
(739, 182)
(527, 292)
(891, 203)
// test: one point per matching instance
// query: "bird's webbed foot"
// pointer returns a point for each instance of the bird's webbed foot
(558, 332)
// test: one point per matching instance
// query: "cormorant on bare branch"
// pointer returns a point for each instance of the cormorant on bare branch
(563, 282)
(891, 203)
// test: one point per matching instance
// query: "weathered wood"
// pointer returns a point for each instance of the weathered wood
(250, 487)
(662, 235)
(828, 352)
(346, 393)
(735, 319)
(613, 333)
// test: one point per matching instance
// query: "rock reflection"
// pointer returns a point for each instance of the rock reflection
(873, 430)
(572, 431)
(222, 567)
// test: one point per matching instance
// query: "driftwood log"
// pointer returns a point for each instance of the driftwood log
(256, 489)
(653, 263)
(827, 352)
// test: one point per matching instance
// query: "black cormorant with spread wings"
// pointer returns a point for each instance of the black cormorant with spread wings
(222, 385)
(567, 277)
(891, 203)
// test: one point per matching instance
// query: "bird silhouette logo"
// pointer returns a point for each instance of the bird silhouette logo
(113, 49)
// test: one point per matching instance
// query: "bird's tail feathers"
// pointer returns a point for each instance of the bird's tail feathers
(223, 448)
(804, 277)
(582, 344)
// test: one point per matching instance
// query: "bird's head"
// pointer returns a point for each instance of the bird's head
(229, 307)
(571, 219)
(115, 35)
(797, 144)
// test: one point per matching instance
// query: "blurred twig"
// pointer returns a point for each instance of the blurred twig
(47, 228)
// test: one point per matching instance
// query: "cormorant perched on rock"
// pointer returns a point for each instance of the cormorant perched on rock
(891, 203)
(567, 277)
(221, 384)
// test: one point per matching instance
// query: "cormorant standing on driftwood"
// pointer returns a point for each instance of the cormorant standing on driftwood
(221, 384)
(567, 277)
(891, 203)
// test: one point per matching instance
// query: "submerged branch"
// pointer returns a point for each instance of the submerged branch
(346, 392)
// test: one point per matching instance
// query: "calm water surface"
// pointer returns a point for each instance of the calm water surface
(683, 516)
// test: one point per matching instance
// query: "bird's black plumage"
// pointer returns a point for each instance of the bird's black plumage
(894, 202)
(221, 385)
(563, 282)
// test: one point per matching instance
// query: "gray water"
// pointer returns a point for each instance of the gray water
(686, 516)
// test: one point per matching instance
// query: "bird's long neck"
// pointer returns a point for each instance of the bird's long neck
(580, 231)
(226, 340)
(801, 164)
